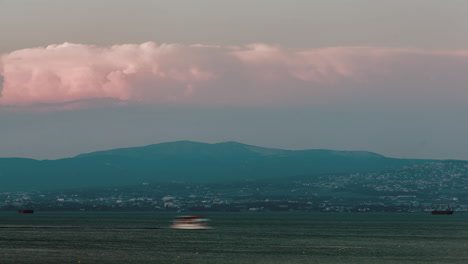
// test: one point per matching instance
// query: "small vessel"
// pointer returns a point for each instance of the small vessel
(26, 211)
(441, 212)
(191, 222)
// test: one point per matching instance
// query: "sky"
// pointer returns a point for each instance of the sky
(384, 76)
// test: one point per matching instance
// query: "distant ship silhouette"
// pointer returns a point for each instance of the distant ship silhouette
(26, 211)
(440, 212)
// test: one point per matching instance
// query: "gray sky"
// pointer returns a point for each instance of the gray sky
(432, 24)
(393, 132)
(404, 97)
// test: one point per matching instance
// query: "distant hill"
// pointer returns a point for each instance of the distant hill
(186, 161)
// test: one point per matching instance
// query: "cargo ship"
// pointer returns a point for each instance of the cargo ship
(440, 212)
(26, 211)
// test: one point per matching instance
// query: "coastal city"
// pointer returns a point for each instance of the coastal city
(417, 188)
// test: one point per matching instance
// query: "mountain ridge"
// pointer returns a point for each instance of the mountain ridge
(231, 144)
(186, 161)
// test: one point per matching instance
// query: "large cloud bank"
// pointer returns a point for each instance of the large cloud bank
(251, 75)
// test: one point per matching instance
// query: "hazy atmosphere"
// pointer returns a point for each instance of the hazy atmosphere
(383, 76)
(233, 131)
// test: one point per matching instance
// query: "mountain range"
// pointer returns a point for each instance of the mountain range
(186, 161)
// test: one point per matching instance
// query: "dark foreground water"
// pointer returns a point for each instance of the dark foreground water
(237, 238)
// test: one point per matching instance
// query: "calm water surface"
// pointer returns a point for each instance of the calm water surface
(237, 238)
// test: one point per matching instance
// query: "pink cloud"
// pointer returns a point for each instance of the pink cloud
(256, 74)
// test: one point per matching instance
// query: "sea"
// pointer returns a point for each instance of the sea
(254, 237)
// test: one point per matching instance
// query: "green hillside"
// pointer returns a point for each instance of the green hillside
(186, 161)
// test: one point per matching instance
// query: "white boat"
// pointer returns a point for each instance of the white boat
(191, 222)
